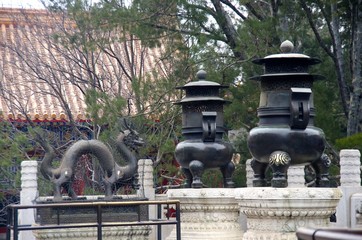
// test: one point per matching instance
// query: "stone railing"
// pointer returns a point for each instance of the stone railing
(350, 206)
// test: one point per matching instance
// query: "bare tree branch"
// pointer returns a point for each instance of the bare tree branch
(235, 9)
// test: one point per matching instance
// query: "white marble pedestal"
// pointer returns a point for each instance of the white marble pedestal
(208, 213)
(277, 213)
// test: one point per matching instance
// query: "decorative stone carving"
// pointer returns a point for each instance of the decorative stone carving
(207, 214)
(350, 168)
(249, 173)
(29, 175)
(350, 185)
(275, 213)
(127, 143)
(145, 172)
(296, 176)
(112, 233)
(356, 210)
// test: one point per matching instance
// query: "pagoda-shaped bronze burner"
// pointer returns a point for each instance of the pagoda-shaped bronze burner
(286, 133)
(203, 129)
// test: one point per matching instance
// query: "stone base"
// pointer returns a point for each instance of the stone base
(277, 213)
(109, 233)
(85, 214)
(208, 213)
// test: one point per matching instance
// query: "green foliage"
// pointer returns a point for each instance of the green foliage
(239, 176)
(102, 108)
(45, 187)
(334, 173)
(212, 178)
(351, 142)
(241, 113)
(13, 144)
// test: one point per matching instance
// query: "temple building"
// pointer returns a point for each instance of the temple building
(44, 76)
(48, 64)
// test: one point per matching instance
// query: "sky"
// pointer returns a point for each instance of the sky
(21, 3)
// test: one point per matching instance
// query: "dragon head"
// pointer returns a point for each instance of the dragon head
(132, 139)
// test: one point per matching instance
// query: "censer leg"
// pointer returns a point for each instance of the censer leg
(227, 172)
(279, 162)
(321, 167)
(259, 169)
(197, 168)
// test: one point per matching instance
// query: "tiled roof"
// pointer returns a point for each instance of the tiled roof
(36, 77)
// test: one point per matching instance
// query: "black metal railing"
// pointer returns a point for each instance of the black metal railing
(329, 234)
(13, 226)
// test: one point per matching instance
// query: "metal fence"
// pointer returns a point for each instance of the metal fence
(329, 234)
(13, 227)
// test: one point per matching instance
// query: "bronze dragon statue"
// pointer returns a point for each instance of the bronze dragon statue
(127, 142)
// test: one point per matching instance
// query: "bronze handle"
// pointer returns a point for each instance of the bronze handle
(299, 107)
(208, 126)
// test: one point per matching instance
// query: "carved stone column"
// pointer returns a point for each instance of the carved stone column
(145, 173)
(350, 184)
(276, 213)
(28, 194)
(296, 176)
(210, 213)
(350, 168)
(249, 173)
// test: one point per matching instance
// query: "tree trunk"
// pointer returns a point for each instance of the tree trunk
(339, 60)
(354, 115)
(227, 26)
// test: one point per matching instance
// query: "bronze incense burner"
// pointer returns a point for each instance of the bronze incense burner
(286, 133)
(203, 129)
